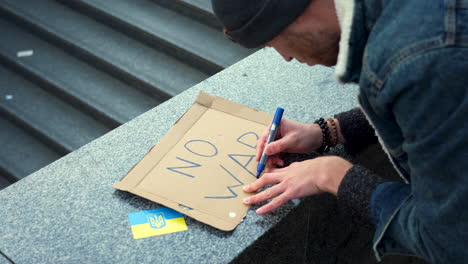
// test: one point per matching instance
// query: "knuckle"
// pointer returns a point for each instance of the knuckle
(288, 196)
(259, 197)
(262, 181)
(276, 146)
(257, 184)
(278, 201)
(253, 199)
(267, 177)
(267, 194)
(254, 185)
(295, 139)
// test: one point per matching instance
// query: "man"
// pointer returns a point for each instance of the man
(410, 59)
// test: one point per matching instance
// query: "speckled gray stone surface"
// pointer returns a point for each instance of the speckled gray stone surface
(4, 260)
(68, 212)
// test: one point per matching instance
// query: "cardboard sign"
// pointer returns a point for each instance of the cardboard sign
(200, 166)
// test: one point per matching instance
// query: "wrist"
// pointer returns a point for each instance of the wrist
(336, 169)
(315, 134)
(341, 139)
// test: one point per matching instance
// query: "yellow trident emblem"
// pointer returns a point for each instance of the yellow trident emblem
(157, 220)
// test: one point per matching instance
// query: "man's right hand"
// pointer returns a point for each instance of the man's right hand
(292, 137)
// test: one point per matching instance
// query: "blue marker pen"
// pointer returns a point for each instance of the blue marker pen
(273, 129)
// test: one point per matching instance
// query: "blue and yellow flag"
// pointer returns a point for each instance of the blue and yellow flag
(156, 222)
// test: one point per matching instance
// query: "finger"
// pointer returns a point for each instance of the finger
(274, 204)
(266, 179)
(280, 162)
(274, 160)
(264, 195)
(261, 145)
(277, 146)
(276, 170)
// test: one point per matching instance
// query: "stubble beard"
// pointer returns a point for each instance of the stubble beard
(319, 47)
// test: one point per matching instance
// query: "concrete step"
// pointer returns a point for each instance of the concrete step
(111, 51)
(170, 32)
(54, 122)
(202, 5)
(199, 10)
(101, 96)
(21, 154)
(96, 65)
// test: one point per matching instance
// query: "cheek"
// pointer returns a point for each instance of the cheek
(321, 51)
(300, 47)
(303, 52)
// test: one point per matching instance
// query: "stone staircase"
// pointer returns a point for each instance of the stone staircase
(96, 64)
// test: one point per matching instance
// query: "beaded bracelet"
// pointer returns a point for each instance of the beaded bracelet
(333, 132)
(325, 147)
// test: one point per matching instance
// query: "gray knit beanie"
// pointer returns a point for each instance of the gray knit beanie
(253, 23)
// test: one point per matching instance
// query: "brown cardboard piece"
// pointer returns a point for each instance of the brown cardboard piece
(199, 167)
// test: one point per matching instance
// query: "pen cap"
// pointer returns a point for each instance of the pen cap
(278, 115)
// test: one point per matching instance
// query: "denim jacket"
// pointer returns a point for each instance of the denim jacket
(410, 58)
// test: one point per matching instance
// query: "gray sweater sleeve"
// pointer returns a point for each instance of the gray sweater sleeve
(356, 188)
(355, 192)
(356, 130)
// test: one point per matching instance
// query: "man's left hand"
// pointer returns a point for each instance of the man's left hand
(300, 179)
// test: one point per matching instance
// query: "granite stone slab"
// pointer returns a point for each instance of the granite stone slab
(68, 212)
(4, 260)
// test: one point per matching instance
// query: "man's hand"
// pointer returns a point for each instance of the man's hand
(292, 137)
(300, 179)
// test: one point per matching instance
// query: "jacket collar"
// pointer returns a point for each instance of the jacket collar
(352, 40)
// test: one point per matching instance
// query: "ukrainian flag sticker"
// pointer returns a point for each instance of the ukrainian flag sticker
(156, 222)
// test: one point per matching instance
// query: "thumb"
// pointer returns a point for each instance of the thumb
(276, 147)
